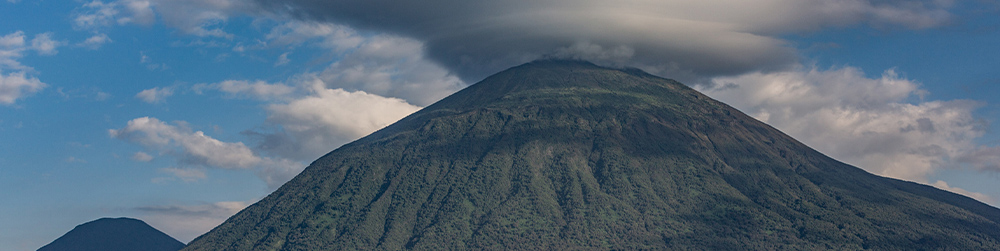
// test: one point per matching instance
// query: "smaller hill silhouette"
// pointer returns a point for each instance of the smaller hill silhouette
(121, 234)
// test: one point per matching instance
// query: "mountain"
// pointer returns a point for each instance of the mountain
(119, 234)
(555, 155)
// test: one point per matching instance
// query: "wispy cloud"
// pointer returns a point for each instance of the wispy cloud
(198, 18)
(282, 60)
(260, 90)
(142, 157)
(190, 147)
(185, 222)
(194, 150)
(92, 93)
(45, 45)
(186, 174)
(155, 95)
(95, 42)
(72, 159)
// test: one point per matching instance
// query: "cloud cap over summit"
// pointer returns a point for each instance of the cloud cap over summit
(683, 39)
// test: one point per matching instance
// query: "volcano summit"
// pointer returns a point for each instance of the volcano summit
(569, 155)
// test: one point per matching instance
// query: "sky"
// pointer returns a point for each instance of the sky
(183, 112)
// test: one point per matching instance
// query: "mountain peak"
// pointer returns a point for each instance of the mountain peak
(570, 155)
(567, 78)
(120, 234)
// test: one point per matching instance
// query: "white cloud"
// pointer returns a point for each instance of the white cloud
(392, 66)
(185, 222)
(193, 148)
(43, 44)
(282, 60)
(72, 159)
(194, 17)
(978, 196)
(155, 95)
(337, 38)
(370, 88)
(12, 40)
(198, 17)
(257, 89)
(98, 14)
(101, 96)
(143, 58)
(16, 85)
(95, 42)
(19, 84)
(142, 157)
(376, 82)
(866, 122)
(351, 114)
(196, 151)
(141, 12)
(327, 118)
(13, 46)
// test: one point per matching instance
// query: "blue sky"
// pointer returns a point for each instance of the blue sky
(181, 113)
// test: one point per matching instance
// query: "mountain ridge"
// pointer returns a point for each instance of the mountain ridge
(570, 155)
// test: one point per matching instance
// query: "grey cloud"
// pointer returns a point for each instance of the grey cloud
(983, 158)
(925, 125)
(863, 121)
(392, 66)
(681, 39)
(381, 64)
(185, 222)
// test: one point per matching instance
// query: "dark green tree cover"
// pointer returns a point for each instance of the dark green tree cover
(117, 234)
(569, 155)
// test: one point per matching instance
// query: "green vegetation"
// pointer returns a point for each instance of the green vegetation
(568, 155)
